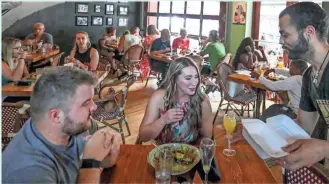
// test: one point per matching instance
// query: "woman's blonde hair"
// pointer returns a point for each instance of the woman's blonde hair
(7, 51)
(194, 113)
(75, 46)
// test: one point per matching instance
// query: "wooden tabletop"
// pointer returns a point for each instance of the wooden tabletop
(34, 57)
(12, 89)
(245, 79)
(162, 57)
(245, 167)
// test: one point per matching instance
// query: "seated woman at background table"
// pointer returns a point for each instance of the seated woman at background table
(161, 46)
(82, 54)
(178, 111)
(216, 51)
(246, 55)
(13, 65)
(181, 42)
(152, 34)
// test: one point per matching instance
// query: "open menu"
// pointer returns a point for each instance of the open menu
(268, 138)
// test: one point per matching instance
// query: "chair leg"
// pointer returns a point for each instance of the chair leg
(248, 111)
(121, 131)
(147, 80)
(242, 111)
(228, 104)
(127, 125)
(140, 74)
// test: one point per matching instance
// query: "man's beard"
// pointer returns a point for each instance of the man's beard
(73, 128)
(300, 50)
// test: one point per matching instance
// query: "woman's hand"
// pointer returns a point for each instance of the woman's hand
(22, 55)
(173, 115)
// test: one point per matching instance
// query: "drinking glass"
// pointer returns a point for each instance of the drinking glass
(207, 149)
(164, 168)
(229, 125)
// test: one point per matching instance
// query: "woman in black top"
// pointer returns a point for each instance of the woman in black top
(82, 54)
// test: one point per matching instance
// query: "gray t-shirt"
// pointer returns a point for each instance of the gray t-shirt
(30, 158)
(46, 37)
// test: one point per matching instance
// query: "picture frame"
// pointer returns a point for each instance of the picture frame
(239, 13)
(97, 20)
(81, 20)
(122, 22)
(109, 9)
(97, 8)
(109, 21)
(81, 7)
(123, 10)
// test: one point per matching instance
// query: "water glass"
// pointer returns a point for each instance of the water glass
(207, 149)
(163, 169)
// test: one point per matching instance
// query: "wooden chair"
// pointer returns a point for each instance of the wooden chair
(317, 173)
(152, 72)
(101, 115)
(13, 118)
(244, 99)
(132, 58)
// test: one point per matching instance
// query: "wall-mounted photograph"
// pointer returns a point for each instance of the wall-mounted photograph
(96, 20)
(122, 22)
(239, 12)
(81, 20)
(123, 1)
(109, 9)
(109, 21)
(122, 10)
(97, 8)
(81, 7)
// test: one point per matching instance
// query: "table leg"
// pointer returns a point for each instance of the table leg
(258, 102)
(264, 100)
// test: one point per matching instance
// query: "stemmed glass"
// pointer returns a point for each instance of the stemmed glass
(207, 149)
(229, 125)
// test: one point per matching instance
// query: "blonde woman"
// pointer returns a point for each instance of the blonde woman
(82, 54)
(178, 111)
(13, 64)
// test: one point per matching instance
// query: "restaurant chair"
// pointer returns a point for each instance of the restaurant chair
(14, 115)
(117, 114)
(152, 72)
(132, 58)
(242, 98)
(317, 173)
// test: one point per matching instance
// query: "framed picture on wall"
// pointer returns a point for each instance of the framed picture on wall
(239, 13)
(123, 10)
(122, 22)
(97, 8)
(81, 20)
(109, 9)
(96, 20)
(81, 7)
(109, 21)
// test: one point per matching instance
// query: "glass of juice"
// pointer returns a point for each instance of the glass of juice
(229, 125)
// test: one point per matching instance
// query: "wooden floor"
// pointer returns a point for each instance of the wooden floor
(137, 101)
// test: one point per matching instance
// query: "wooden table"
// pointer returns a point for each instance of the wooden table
(260, 89)
(245, 167)
(34, 57)
(12, 89)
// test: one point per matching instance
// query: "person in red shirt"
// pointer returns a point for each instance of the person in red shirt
(182, 42)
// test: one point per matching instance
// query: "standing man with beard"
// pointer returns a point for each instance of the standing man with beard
(304, 33)
(52, 146)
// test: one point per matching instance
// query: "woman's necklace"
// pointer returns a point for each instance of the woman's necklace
(316, 74)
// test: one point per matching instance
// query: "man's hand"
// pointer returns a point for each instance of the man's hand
(254, 75)
(304, 152)
(28, 42)
(98, 146)
(111, 158)
(267, 72)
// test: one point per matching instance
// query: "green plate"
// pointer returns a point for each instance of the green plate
(177, 169)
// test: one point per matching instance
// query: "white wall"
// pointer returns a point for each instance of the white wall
(22, 11)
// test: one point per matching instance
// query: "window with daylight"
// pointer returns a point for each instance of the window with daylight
(198, 17)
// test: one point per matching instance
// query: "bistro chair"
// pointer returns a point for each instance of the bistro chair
(117, 114)
(242, 98)
(152, 72)
(132, 58)
(14, 115)
(317, 173)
